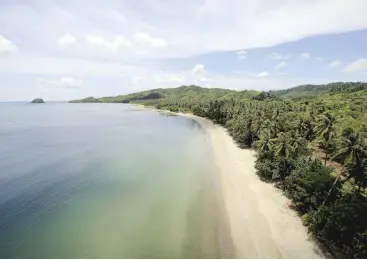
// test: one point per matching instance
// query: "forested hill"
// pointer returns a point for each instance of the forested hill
(179, 93)
(197, 93)
(313, 90)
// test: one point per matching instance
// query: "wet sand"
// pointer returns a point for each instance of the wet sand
(260, 222)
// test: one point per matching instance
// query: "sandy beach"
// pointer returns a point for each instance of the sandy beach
(259, 218)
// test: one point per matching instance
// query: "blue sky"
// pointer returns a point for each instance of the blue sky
(61, 50)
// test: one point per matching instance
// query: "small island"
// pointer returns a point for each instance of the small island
(37, 101)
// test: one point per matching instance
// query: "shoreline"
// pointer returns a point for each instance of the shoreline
(257, 215)
(260, 222)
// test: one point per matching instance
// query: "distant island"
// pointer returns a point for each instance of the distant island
(37, 101)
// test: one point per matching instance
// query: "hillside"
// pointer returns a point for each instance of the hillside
(179, 93)
(198, 93)
(314, 90)
(346, 100)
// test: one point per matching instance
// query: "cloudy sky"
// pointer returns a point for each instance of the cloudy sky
(60, 50)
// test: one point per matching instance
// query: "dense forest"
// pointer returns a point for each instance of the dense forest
(310, 142)
(177, 94)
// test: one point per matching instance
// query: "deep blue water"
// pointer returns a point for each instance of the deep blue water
(104, 180)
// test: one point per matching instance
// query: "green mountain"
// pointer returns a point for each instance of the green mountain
(347, 100)
(314, 90)
(198, 93)
(179, 93)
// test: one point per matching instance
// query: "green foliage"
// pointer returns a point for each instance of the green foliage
(343, 226)
(172, 109)
(313, 90)
(325, 128)
(265, 143)
(180, 94)
(309, 183)
(85, 100)
(268, 167)
(265, 96)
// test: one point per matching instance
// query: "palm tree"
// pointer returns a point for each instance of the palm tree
(353, 153)
(249, 122)
(358, 172)
(283, 149)
(306, 128)
(326, 129)
(297, 142)
(258, 121)
(264, 144)
(352, 148)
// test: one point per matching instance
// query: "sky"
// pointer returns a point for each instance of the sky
(68, 49)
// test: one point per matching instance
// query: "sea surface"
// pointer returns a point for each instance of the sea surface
(105, 181)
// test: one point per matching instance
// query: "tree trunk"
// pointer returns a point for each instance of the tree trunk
(325, 158)
(332, 187)
(283, 170)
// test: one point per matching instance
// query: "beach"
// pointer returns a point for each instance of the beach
(260, 221)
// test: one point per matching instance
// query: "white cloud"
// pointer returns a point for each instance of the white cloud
(234, 81)
(161, 79)
(190, 27)
(147, 39)
(6, 45)
(305, 55)
(198, 70)
(139, 43)
(67, 40)
(334, 63)
(70, 82)
(168, 78)
(358, 65)
(242, 54)
(31, 65)
(280, 65)
(127, 39)
(262, 74)
(278, 56)
(136, 80)
(117, 44)
(64, 82)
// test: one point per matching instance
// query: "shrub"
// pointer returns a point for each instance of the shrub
(343, 226)
(268, 169)
(309, 183)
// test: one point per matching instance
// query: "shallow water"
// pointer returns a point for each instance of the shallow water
(104, 180)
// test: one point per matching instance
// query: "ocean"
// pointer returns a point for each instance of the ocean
(105, 181)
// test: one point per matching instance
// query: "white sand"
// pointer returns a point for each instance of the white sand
(260, 221)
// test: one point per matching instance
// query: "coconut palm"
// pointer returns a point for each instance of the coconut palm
(352, 148)
(264, 144)
(298, 143)
(249, 123)
(326, 129)
(358, 172)
(306, 128)
(353, 152)
(283, 150)
(258, 121)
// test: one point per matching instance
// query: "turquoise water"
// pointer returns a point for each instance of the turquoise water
(104, 180)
